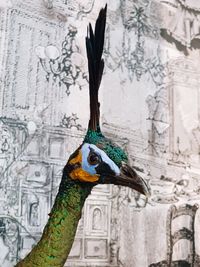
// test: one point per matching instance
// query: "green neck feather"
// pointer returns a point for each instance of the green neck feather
(55, 244)
(57, 239)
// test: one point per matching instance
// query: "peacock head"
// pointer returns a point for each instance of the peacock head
(99, 161)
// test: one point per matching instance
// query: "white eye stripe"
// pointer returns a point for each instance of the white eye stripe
(85, 165)
(91, 169)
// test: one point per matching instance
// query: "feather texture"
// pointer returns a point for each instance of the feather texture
(94, 47)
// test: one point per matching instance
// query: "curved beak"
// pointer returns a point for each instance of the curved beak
(127, 177)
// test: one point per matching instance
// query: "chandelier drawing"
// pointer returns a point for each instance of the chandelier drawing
(65, 65)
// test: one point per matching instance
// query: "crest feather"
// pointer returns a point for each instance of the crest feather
(94, 47)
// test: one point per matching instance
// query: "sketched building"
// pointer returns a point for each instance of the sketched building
(184, 233)
(43, 115)
(35, 144)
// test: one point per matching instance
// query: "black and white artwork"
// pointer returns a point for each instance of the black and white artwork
(150, 105)
(66, 66)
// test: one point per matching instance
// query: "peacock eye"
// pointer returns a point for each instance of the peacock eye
(93, 158)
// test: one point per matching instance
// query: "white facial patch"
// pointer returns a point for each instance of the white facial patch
(91, 168)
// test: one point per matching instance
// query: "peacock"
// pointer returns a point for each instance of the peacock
(96, 161)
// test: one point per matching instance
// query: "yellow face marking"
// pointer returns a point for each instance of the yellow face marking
(79, 173)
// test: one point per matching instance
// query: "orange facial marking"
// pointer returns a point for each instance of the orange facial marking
(77, 159)
(79, 173)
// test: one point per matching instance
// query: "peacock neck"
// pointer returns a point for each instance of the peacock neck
(55, 244)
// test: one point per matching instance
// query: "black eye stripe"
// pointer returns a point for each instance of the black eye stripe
(104, 168)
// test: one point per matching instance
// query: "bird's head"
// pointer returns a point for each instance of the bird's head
(98, 161)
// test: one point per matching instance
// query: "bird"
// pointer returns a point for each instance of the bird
(98, 160)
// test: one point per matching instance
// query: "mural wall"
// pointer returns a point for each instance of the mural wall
(150, 98)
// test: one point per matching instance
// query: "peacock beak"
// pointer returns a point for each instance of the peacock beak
(128, 177)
